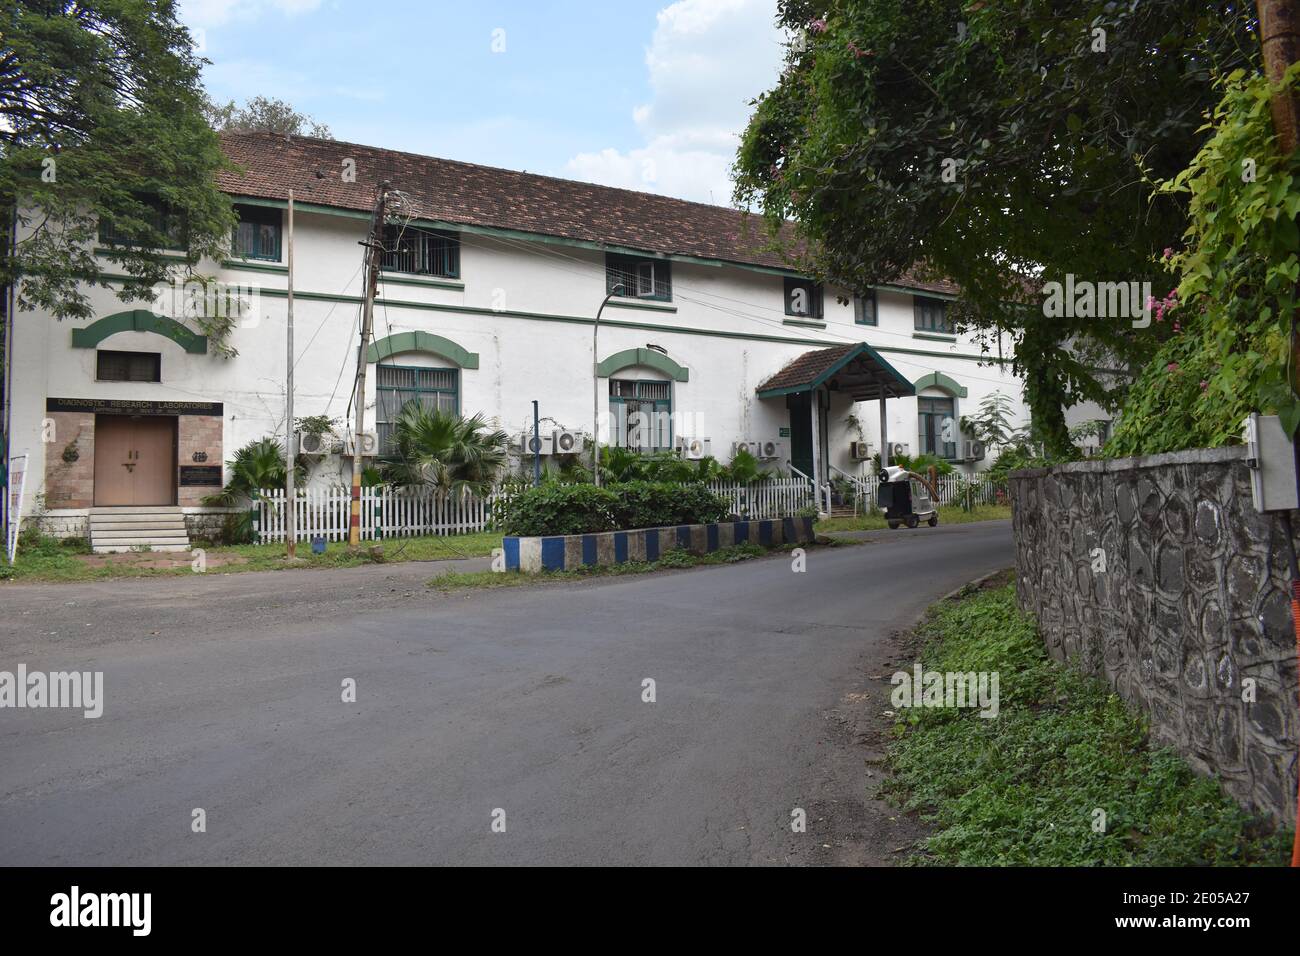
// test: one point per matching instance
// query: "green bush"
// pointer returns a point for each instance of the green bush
(554, 508)
(649, 504)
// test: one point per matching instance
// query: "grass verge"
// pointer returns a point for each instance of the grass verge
(948, 514)
(1023, 788)
(48, 559)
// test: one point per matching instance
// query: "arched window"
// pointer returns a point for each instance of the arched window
(399, 382)
(641, 413)
(938, 431)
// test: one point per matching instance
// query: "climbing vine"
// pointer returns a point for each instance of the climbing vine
(1229, 318)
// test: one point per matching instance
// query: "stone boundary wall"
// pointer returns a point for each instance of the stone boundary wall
(1193, 605)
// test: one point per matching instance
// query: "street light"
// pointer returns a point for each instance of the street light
(595, 387)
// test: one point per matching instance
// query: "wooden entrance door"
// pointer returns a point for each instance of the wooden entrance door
(135, 460)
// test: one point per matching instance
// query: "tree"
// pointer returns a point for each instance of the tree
(992, 423)
(264, 114)
(443, 451)
(996, 144)
(103, 124)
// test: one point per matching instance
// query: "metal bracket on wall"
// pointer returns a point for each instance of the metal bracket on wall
(1270, 456)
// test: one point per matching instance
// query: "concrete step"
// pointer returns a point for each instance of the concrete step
(138, 527)
(110, 526)
(137, 509)
(140, 534)
(117, 548)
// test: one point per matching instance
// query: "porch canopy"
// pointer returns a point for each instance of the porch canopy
(854, 369)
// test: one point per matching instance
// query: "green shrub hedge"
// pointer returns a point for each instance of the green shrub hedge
(553, 508)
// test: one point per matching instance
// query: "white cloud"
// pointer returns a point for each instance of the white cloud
(707, 60)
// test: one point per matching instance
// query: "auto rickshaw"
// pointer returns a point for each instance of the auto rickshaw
(907, 498)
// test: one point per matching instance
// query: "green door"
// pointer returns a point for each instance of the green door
(801, 441)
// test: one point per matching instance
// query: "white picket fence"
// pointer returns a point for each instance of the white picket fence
(385, 513)
(774, 498)
(405, 512)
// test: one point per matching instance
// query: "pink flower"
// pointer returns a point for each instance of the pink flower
(1204, 385)
(1172, 366)
(1168, 252)
(817, 26)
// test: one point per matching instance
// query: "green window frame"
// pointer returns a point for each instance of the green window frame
(160, 218)
(396, 385)
(116, 366)
(630, 400)
(258, 233)
(421, 252)
(931, 315)
(800, 292)
(931, 413)
(641, 278)
(864, 309)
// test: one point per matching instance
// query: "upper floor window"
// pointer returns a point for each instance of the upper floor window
(639, 278)
(257, 234)
(113, 366)
(864, 308)
(426, 252)
(159, 225)
(803, 298)
(931, 315)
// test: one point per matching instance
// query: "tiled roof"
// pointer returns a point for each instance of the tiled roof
(856, 368)
(466, 194)
(807, 367)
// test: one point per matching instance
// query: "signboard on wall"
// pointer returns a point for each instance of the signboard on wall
(17, 482)
(200, 476)
(126, 406)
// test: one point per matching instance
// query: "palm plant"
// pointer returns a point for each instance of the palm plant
(258, 465)
(440, 450)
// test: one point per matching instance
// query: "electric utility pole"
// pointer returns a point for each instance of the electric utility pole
(374, 258)
(290, 436)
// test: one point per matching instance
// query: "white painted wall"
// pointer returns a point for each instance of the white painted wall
(726, 325)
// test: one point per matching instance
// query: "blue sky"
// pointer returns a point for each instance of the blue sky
(645, 95)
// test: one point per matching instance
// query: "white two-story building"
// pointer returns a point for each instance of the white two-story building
(490, 286)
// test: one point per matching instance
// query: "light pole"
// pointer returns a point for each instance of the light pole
(595, 387)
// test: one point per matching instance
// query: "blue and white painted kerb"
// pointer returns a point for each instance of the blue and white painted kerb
(564, 552)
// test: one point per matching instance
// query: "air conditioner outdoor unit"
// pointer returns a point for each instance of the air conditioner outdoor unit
(566, 442)
(369, 444)
(772, 448)
(749, 446)
(530, 444)
(860, 450)
(316, 444)
(974, 450)
(900, 448)
(695, 448)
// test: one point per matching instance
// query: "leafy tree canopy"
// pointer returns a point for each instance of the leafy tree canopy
(263, 114)
(101, 120)
(1232, 316)
(999, 144)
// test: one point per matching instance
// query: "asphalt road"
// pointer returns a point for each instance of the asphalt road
(224, 692)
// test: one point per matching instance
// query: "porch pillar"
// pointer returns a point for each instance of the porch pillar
(815, 410)
(884, 432)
